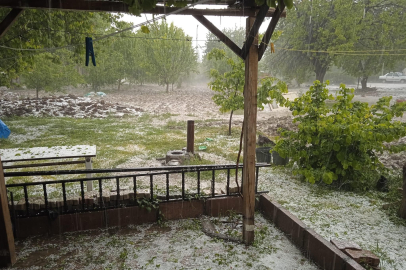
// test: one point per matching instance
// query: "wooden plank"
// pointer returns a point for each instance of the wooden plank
(9, 20)
(253, 32)
(271, 28)
(220, 35)
(40, 153)
(116, 6)
(250, 127)
(229, 12)
(7, 248)
(44, 164)
(402, 210)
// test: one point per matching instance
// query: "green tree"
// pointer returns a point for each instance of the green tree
(236, 34)
(313, 28)
(229, 86)
(169, 53)
(51, 72)
(382, 26)
(38, 29)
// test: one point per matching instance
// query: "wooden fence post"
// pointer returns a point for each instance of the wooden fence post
(402, 210)
(250, 127)
(7, 248)
(190, 147)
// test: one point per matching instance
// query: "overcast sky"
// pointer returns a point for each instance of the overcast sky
(193, 28)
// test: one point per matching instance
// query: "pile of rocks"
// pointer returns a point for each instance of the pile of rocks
(63, 106)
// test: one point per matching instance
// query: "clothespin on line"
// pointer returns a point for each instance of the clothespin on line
(90, 51)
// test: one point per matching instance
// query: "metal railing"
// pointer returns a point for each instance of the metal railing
(118, 198)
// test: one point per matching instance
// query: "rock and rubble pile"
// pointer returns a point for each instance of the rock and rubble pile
(62, 106)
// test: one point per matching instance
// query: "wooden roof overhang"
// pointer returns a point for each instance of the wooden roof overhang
(235, 9)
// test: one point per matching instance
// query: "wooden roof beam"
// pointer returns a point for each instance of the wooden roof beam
(116, 6)
(254, 30)
(212, 28)
(211, 12)
(9, 20)
(109, 6)
(271, 28)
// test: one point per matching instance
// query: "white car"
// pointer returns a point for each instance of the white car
(393, 77)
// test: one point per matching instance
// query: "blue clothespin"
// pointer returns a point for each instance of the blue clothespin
(89, 51)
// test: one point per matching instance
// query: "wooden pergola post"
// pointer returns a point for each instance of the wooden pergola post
(250, 127)
(7, 248)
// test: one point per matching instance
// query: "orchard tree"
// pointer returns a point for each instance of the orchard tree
(37, 29)
(381, 27)
(169, 53)
(229, 86)
(114, 60)
(118, 58)
(313, 28)
(237, 35)
(51, 72)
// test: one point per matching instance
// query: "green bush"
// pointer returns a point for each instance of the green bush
(339, 143)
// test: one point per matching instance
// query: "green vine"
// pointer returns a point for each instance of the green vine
(150, 205)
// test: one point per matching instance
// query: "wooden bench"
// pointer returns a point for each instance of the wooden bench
(23, 157)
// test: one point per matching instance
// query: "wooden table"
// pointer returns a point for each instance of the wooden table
(25, 156)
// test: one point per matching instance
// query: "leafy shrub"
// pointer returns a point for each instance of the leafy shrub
(339, 143)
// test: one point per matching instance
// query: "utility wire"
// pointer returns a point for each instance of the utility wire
(112, 34)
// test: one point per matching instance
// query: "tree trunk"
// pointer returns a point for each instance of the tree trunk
(229, 123)
(167, 88)
(364, 81)
(119, 85)
(37, 93)
(320, 71)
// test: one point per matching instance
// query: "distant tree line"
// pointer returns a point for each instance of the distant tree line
(45, 50)
(359, 38)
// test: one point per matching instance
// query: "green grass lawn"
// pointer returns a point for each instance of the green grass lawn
(117, 140)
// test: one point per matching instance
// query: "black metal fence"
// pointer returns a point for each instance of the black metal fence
(99, 199)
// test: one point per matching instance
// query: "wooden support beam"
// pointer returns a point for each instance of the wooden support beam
(109, 6)
(402, 210)
(231, 12)
(254, 30)
(271, 28)
(220, 35)
(9, 20)
(250, 127)
(7, 248)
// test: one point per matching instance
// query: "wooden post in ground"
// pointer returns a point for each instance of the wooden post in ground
(190, 147)
(402, 211)
(7, 248)
(89, 166)
(250, 127)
